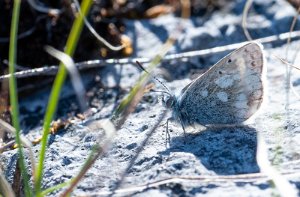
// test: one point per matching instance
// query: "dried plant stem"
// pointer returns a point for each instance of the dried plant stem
(97, 36)
(5, 188)
(96, 152)
(244, 19)
(100, 63)
(139, 150)
(284, 187)
(246, 178)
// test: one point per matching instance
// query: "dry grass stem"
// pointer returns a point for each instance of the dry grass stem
(244, 19)
(167, 58)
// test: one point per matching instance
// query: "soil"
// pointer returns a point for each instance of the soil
(207, 153)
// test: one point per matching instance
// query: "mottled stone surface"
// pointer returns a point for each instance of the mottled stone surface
(205, 152)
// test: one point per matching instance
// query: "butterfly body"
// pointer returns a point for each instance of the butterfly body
(230, 92)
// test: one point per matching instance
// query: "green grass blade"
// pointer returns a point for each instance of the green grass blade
(13, 92)
(120, 114)
(56, 187)
(54, 96)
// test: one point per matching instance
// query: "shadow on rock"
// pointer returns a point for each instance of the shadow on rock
(226, 151)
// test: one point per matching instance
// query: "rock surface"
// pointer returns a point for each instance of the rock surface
(210, 153)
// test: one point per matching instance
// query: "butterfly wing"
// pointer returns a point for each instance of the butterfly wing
(228, 93)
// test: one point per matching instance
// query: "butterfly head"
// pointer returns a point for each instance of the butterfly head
(169, 101)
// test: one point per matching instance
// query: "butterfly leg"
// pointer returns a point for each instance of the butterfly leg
(184, 133)
(168, 137)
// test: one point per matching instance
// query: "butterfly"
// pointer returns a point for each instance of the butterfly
(229, 93)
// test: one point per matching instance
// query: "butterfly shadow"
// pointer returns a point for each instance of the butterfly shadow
(226, 151)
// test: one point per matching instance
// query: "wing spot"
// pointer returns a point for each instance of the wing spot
(204, 93)
(222, 96)
(225, 81)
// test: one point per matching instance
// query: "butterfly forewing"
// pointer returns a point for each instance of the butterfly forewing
(228, 93)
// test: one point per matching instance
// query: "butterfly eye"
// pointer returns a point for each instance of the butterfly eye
(229, 61)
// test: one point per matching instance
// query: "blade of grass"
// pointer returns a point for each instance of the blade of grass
(130, 102)
(282, 184)
(244, 19)
(5, 188)
(56, 187)
(94, 32)
(13, 93)
(97, 150)
(138, 151)
(120, 115)
(40, 8)
(8, 128)
(288, 42)
(73, 73)
(125, 106)
(58, 83)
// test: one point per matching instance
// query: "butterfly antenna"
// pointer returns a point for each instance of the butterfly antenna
(142, 68)
(165, 92)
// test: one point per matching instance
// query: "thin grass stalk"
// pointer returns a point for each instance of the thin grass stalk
(55, 188)
(97, 36)
(26, 143)
(284, 187)
(138, 151)
(119, 116)
(244, 19)
(13, 93)
(124, 109)
(288, 42)
(97, 150)
(93, 156)
(49, 70)
(5, 187)
(73, 73)
(57, 86)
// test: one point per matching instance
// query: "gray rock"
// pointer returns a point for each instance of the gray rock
(202, 152)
